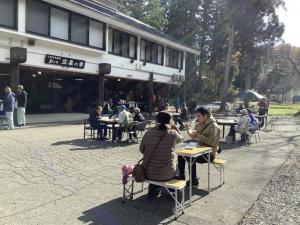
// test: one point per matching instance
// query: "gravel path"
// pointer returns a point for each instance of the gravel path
(279, 203)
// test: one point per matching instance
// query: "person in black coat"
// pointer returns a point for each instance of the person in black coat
(22, 103)
(138, 116)
(94, 122)
(183, 116)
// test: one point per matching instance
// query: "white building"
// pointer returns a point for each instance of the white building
(66, 40)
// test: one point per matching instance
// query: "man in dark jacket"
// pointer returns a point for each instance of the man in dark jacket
(192, 106)
(22, 102)
(94, 122)
(9, 106)
(138, 116)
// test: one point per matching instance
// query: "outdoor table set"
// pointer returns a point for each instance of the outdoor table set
(226, 122)
(190, 152)
(110, 122)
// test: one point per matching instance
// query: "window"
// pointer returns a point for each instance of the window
(37, 17)
(132, 48)
(143, 50)
(154, 54)
(8, 13)
(174, 58)
(160, 56)
(180, 60)
(96, 34)
(59, 24)
(125, 44)
(122, 44)
(148, 51)
(117, 42)
(151, 52)
(51, 21)
(79, 29)
(110, 40)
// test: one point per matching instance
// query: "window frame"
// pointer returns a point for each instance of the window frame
(70, 13)
(16, 16)
(152, 43)
(171, 51)
(122, 33)
(87, 32)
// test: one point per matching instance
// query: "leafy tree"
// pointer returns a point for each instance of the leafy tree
(234, 36)
(256, 28)
(282, 70)
(150, 12)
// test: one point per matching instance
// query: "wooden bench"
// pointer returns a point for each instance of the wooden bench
(176, 185)
(219, 164)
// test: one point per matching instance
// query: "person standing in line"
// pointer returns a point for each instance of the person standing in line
(22, 103)
(9, 106)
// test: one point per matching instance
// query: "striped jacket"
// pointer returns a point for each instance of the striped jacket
(163, 163)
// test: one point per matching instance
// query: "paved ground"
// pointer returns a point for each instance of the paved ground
(49, 175)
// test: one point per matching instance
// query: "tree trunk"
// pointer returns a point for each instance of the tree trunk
(283, 96)
(226, 80)
(248, 80)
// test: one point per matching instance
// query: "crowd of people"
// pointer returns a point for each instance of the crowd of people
(15, 102)
(127, 122)
(247, 121)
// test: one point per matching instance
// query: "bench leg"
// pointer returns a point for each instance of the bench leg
(220, 171)
(183, 199)
(208, 173)
(131, 194)
(176, 197)
(128, 191)
(223, 174)
(179, 205)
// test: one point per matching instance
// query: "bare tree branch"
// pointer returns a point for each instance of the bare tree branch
(294, 65)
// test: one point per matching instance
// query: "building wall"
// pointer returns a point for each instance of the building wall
(121, 67)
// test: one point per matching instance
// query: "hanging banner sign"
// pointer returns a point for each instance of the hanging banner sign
(64, 61)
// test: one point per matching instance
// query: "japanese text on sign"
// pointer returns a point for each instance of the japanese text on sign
(63, 61)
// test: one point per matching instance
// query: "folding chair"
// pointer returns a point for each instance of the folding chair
(88, 130)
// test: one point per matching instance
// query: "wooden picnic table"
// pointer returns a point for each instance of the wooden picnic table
(190, 156)
(226, 122)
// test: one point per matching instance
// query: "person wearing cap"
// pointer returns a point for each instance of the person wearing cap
(22, 102)
(125, 119)
(9, 107)
(242, 127)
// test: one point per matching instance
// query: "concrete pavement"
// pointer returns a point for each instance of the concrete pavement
(49, 175)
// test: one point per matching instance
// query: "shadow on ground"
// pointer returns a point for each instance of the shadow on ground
(89, 144)
(139, 211)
